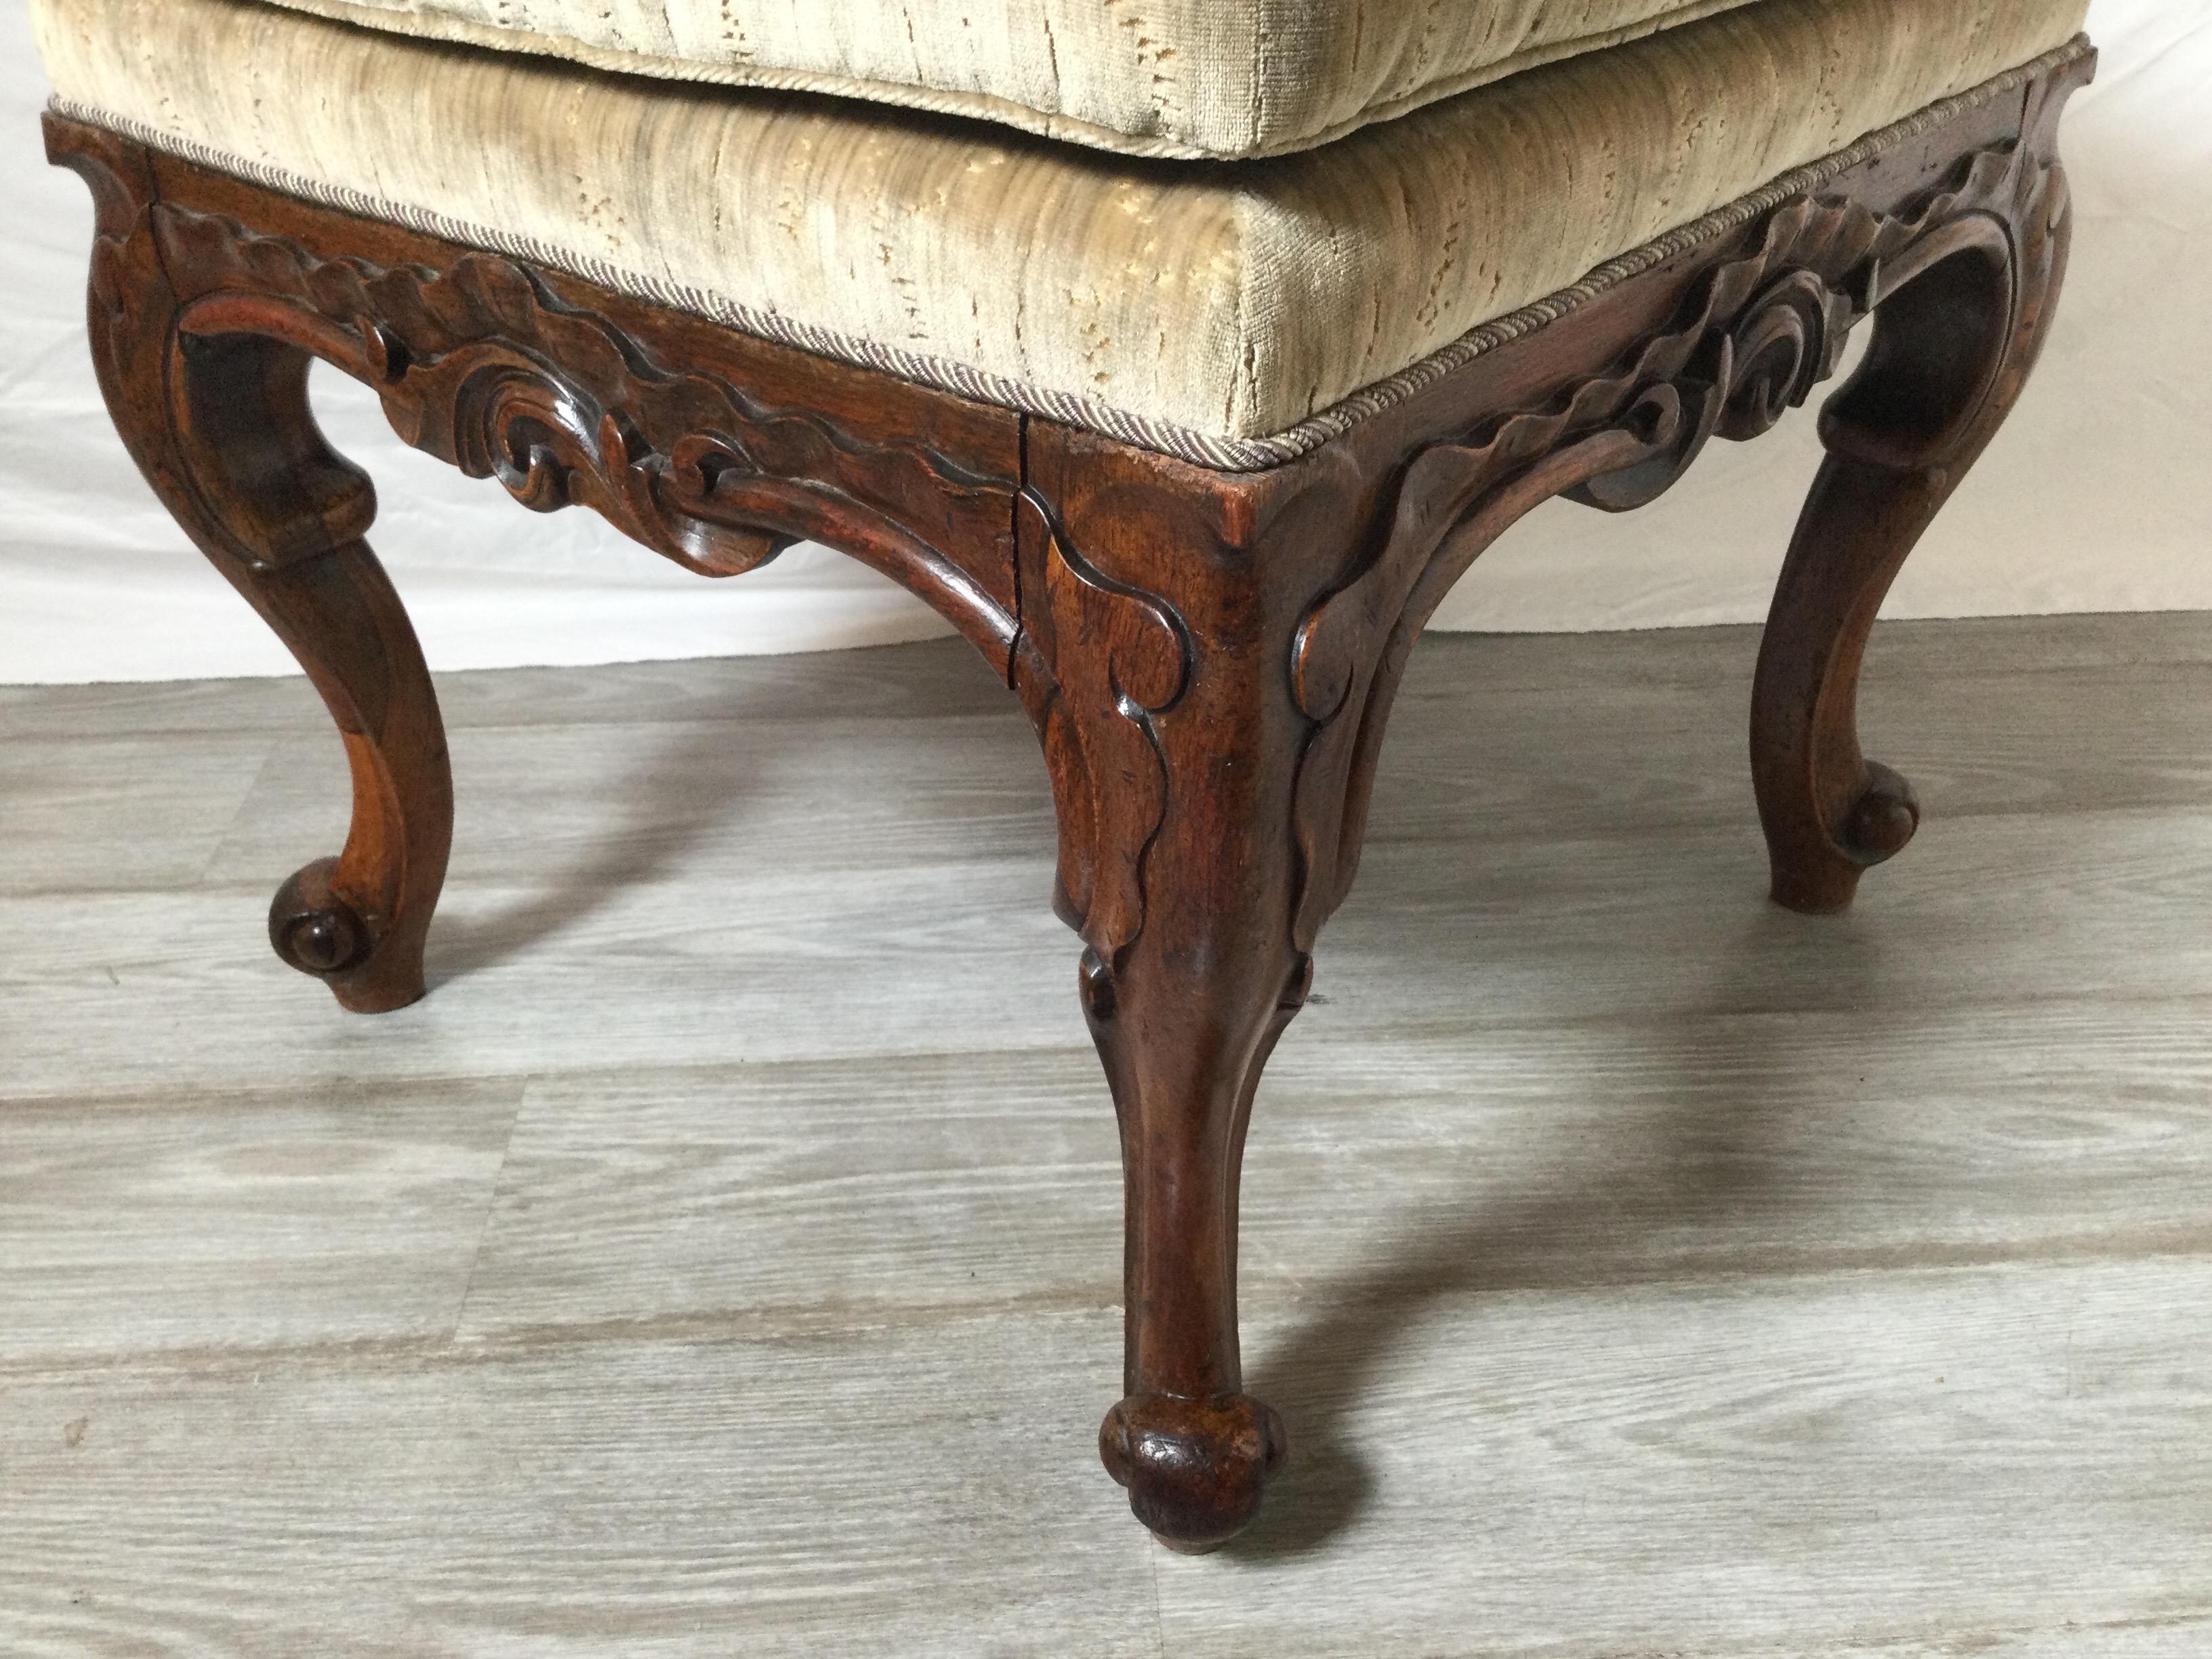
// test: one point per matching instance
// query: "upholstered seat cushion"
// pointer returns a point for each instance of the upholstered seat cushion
(1231, 312)
(1148, 77)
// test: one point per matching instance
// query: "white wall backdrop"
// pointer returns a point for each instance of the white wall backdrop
(2095, 497)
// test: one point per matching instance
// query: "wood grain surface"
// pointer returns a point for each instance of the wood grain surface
(722, 1258)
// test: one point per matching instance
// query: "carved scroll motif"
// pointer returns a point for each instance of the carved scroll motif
(483, 366)
(1761, 333)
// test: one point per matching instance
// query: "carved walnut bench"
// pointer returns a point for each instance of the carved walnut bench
(1182, 353)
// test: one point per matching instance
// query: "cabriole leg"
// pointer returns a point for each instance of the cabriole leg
(1156, 661)
(1955, 338)
(219, 425)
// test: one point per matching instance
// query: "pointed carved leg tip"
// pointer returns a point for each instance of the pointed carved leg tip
(1195, 1469)
(317, 931)
(1880, 822)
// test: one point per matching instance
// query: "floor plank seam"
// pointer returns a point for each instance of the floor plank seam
(490, 1212)
(808, 1326)
(237, 820)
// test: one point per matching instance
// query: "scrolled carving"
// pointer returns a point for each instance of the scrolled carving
(1671, 422)
(1787, 343)
(1759, 332)
(481, 364)
(1882, 820)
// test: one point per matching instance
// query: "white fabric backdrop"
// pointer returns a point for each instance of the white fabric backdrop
(2095, 499)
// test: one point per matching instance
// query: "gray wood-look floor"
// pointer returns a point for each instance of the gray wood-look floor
(724, 1259)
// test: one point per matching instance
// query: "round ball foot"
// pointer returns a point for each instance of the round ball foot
(1883, 818)
(1195, 1469)
(317, 931)
(1876, 829)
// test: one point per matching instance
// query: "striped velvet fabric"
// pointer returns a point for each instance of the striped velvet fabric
(1232, 313)
(1145, 78)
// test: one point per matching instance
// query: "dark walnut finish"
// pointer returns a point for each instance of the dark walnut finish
(1210, 658)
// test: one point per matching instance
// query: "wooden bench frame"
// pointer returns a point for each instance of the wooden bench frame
(1209, 658)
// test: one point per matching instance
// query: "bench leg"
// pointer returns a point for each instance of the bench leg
(217, 419)
(1157, 663)
(1957, 328)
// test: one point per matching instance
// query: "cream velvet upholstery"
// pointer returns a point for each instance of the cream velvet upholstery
(1146, 77)
(1235, 313)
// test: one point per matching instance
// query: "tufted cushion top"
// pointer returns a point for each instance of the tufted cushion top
(1231, 312)
(1146, 77)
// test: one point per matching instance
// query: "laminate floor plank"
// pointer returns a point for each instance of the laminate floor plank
(724, 1257)
(125, 814)
(525, 978)
(1535, 765)
(1709, 1148)
(1992, 909)
(909, 1492)
(333, 1212)
(609, 805)
(932, 957)
(954, 1184)
(1940, 1461)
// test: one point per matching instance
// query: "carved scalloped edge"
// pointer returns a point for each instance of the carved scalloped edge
(482, 365)
(1825, 240)
(482, 297)
(1827, 264)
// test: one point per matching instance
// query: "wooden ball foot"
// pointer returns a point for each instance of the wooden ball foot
(316, 931)
(1195, 1469)
(1881, 821)
(1885, 817)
